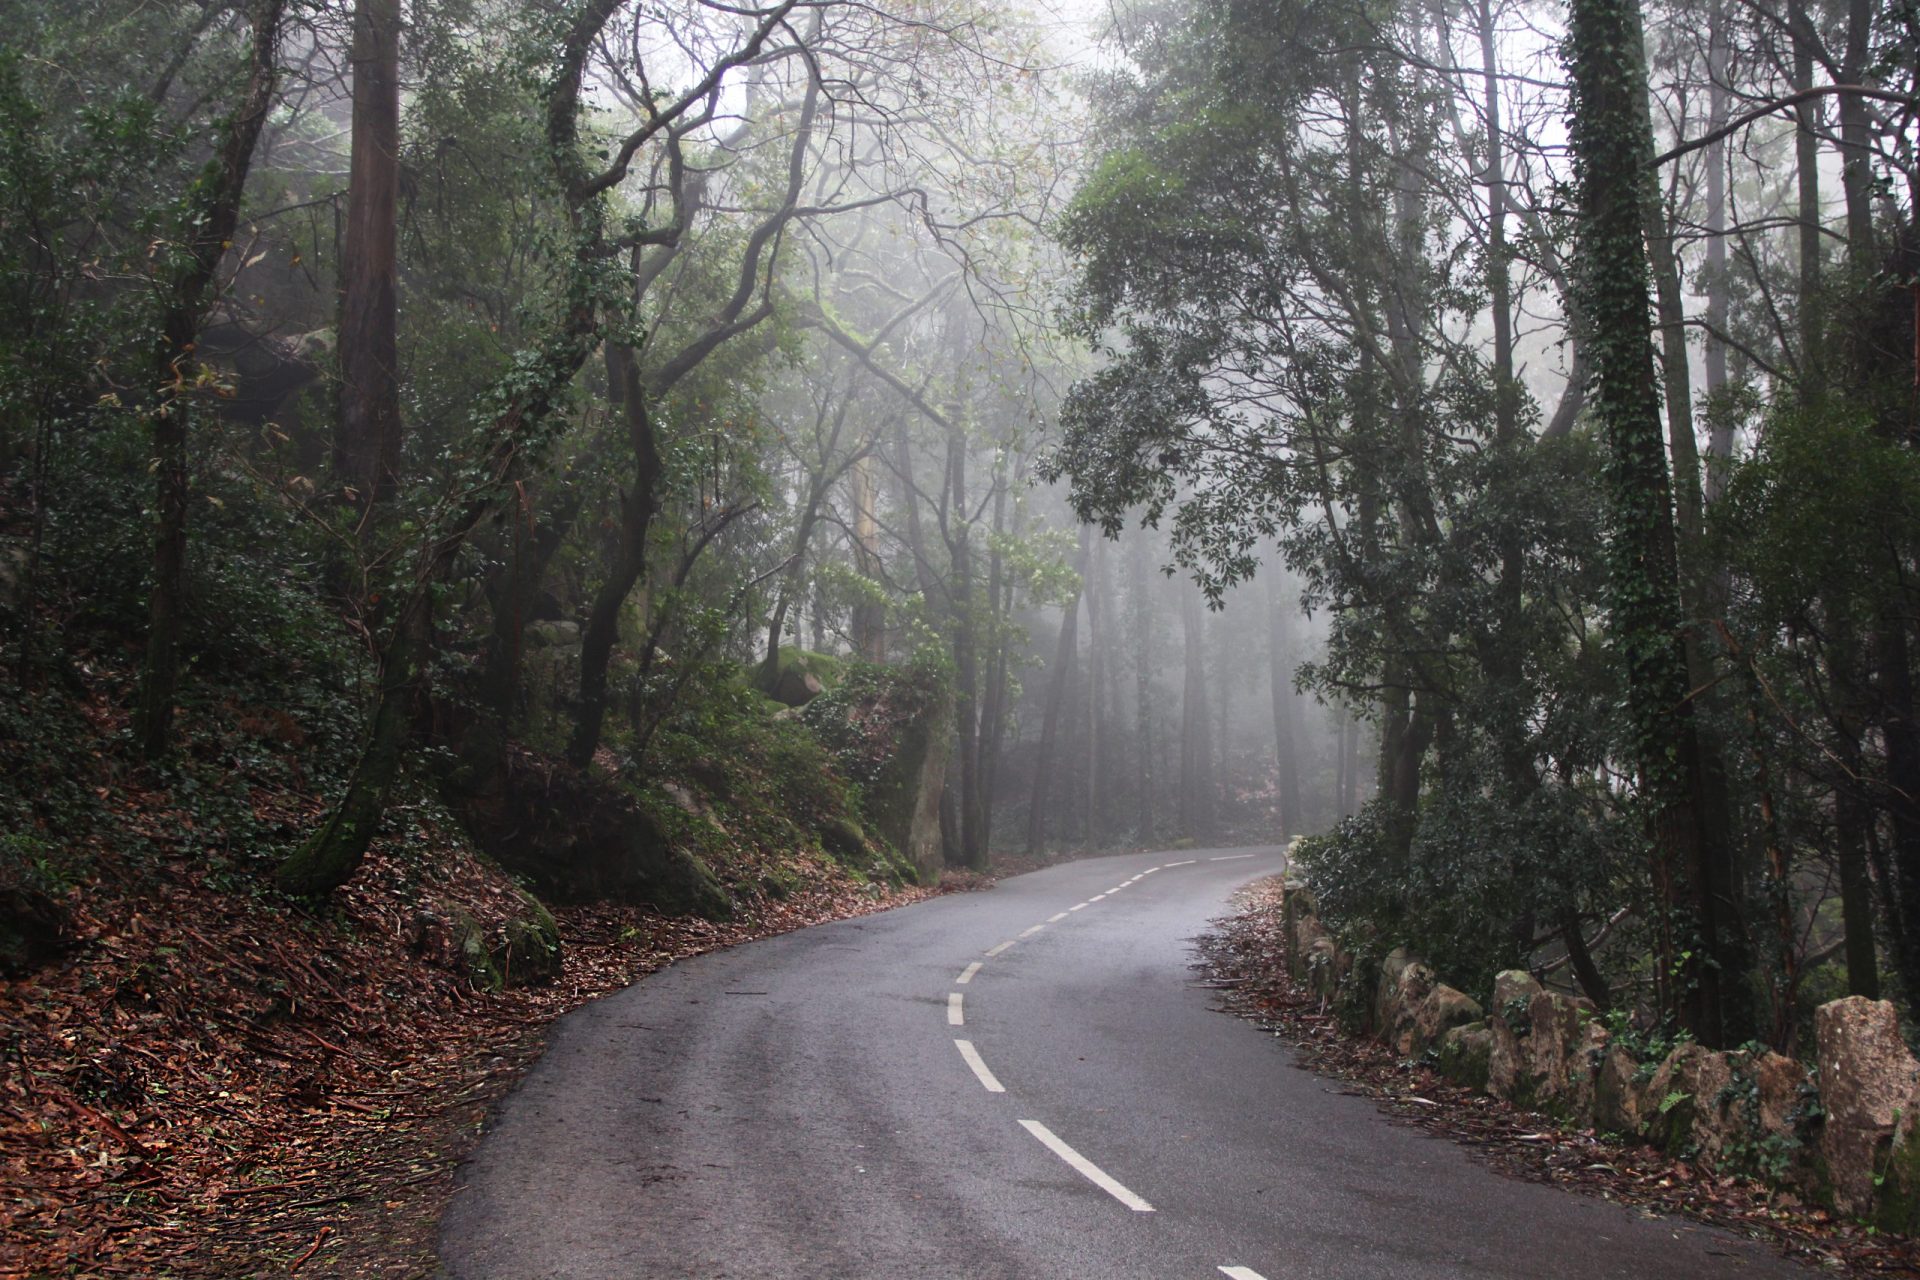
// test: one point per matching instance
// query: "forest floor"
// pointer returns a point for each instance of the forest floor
(213, 1085)
(210, 1080)
(1244, 958)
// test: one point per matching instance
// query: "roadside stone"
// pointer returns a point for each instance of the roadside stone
(1619, 1094)
(1564, 1047)
(1464, 1054)
(1444, 1010)
(1683, 1103)
(1867, 1086)
(1403, 987)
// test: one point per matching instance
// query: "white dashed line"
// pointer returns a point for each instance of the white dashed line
(1085, 1167)
(1056, 919)
(1096, 897)
(955, 1018)
(1028, 933)
(1149, 871)
(1189, 862)
(998, 948)
(966, 974)
(1241, 1273)
(1077, 907)
(972, 1055)
(1233, 857)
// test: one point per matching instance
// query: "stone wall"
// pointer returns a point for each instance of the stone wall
(1841, 1133)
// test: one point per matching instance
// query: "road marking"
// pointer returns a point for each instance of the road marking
(1085, 1167)
(1233, 857)
(1028, 933)
(1189, 862)
(1149, 871)
(1241, 1273)
(966, 975)
(1056, 919)
(1117, 888)
(1076, 908)
(955, 1018)
(996, 950)
(972, 1055)
(1096, 897)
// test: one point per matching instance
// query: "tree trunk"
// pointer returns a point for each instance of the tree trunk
(1097, 680)
(367, 439)
(1060, 676)
(1612, 143)
(1196, 738)
(869, 615)
(329, 858)
(638, 506)
(1806, 153)
(209, 215)
(1285, 712)
(1141, 600)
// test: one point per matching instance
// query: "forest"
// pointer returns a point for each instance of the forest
(469, 466)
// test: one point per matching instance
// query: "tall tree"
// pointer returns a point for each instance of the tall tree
(367, 437)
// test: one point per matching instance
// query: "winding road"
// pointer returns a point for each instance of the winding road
(1018, 1084)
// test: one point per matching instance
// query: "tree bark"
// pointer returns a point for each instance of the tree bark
(210, 213)
(1612, 144)
(1196, 738)
(1060, 673)
(638, 506)
(1285, 712)
(367, 438)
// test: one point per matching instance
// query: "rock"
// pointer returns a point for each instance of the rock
(521, 950)
(35, 929)
(1564, 1048)
(1444, 1009)
(1867, 1086)
(1402, 984)
(1513, 990)
(558, 634)
(1326, 967)
(796, 687)
(1465, 1054)
(1683, 1103)
(578, 836)
(1619, 1094)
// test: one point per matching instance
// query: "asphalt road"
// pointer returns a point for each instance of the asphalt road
(857, 1100)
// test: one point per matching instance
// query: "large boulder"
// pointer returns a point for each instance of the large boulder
(1403, 984)
(890, 729)
(1508, 1073)
(1682, 1103)
(1564, 1047)
(1868, 1083)
(1444, 1010)
(1620, 1103)
(578, 836)
(1465, 1054)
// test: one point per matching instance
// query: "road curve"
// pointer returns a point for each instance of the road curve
(821, 1106)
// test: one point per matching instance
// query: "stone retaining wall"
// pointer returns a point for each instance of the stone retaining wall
(1842, 1134)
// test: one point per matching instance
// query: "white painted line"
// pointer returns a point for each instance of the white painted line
(955, 1018)
(1233, 857)
(1096, 897)
(1117, 888)
(1241, 1273)
(1028, 933)
(1149, 871)
(966, 974)
(972, 1055)
(997, 949)
(1076, 908)
(1056, 919)
(1085, 1167)
(1189, 862)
